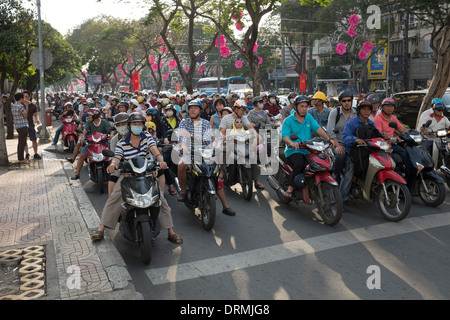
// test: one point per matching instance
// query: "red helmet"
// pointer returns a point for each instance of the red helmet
(94, 112)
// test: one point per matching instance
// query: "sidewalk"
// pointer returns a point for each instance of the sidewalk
(45, 224)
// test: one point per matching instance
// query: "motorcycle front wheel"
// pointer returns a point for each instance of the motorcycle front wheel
(330, 209)
(100, 178)
(71, 145)
(145, 241)
(434, 194)
(208, 213)
(394, 200)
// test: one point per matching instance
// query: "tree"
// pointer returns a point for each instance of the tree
(437, 15)
(231, 10)
(181, 18)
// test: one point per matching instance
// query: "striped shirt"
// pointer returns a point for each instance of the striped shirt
(125, 150)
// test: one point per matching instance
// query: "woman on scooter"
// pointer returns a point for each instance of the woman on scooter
(302, 124)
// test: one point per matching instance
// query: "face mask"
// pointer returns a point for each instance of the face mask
(272, 101)
(169, 113)
(136, 130)
(123, 130)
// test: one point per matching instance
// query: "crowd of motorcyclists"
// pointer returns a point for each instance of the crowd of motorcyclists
(142, 124)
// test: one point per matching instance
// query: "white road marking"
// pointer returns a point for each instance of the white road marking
(231, 262)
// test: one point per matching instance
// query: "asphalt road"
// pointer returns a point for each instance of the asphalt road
(272, 251)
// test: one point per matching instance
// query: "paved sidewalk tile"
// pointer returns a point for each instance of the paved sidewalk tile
(40, 204)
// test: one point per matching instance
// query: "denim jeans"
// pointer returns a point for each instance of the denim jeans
(346, 182)
(57, 133)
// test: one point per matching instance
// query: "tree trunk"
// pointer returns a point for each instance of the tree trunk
(3, 151)
(256, 77)
(441, 75)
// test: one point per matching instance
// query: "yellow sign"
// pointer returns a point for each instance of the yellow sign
(376, 67)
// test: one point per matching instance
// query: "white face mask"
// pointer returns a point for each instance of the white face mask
(123, 130)
(169, 113)
(272, 101)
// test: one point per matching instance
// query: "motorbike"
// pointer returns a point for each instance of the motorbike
(57, 110)
(239, 166)
(382, 184)
(97, 162)
(141, 203)
(419, 172)
(70, 134)
(443, 145)
(316, 184)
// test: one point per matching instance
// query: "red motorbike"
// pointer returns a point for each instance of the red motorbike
(381, 183)
(315, 185)
(97, 162)
(70, 135)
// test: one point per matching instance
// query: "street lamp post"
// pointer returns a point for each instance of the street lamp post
(44, 136)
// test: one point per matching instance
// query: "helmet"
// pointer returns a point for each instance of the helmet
(364, 103)
(114, 99)
(257, 99)
(300, 99)
(121, 118)
(68, 103)
(344, 94)
(227, 109)
(189, 97)
(171, 107)
(299, 181)
(164, 102)
(134, 102)
(140, 99)
(124, 103)
(436, 102)
(320, 96)
(94, 112)
(374, 98)
(239, 104)
(195, 103)
(152, 111)
(272, 95)
(135, 117)
(388, 101)
(150, 125)
(291, 95)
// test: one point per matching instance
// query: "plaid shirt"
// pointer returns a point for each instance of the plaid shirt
(19, 120)
(202, 131)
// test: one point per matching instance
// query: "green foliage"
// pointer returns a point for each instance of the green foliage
(331, 70)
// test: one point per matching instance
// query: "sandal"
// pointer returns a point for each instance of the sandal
(75, 177)
(287, 194)
(259, 186)
(172, 192)
(98, 235)
(174, 238)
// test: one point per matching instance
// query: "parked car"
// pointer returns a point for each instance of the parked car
(408, 104)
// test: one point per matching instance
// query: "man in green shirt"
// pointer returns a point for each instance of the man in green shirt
(94, 124)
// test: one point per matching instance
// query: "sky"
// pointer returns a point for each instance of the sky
(65, 15)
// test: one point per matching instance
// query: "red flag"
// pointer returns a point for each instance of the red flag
(303, 82)
(135, 82)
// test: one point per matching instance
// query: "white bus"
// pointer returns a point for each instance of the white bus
(227, 85)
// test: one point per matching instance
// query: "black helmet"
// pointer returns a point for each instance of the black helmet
(344, 94)
(300, 99)
(135, 117)
(291, 95)
(374, 98)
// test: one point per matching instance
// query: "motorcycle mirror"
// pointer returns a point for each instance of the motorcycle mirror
(293, 136)
(427, 124)
(107, 153)
(392, 124)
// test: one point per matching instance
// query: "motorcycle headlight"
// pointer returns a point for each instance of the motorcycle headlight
(142, 200)
(417, 138)
(441, 133)
(383, 145)
(98, 157)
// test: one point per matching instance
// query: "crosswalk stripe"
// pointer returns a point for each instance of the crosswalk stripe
(231, 262)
